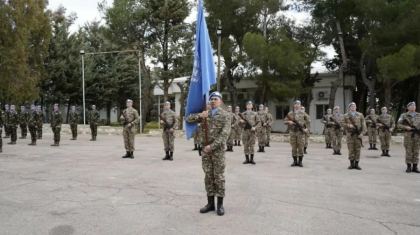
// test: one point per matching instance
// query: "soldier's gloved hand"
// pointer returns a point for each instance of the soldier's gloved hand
(360, 136)
(204, 114)
(207, 149)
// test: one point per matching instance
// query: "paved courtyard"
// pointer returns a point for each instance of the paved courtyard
(85, 187)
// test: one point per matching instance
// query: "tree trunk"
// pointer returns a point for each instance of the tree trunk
(182, 102)
(68, 111)
(387, 89)
(165, 91)
(418, 90)
(108, 113)
(369, 83)
(231, 86)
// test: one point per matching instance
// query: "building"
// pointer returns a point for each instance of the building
(246, 91)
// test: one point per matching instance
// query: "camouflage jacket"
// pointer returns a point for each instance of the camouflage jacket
(270, 119)
(252, 118)
(218, 126)
(132, 116)
(302, 118)
(74, 118)
(326, 120)
(6, 116)
(33, 118)
(359, 121)
(13, 118)
(41, 117)
(264, 118)
(56, 118)
(339, 119)
(415, 121)
(2, 117)
(23, 118)
(170, 119)
(387, 120)
(93, 117)
(233, 119)
(369, 122)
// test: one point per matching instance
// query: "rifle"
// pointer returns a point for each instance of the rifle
(373, 122)
(356, 130)
(295, 122)
(125, 118)
(337, 125)
(166, 127)
(384, 126)
(248, 125)
(414, 130)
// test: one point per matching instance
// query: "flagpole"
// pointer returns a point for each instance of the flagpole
(205, 119)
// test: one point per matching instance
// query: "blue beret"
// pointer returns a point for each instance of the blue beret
(32, 105)
(12, 105)
(328, 109)
(249, 102)
(129, 101)
(297, 102)
(229, 107)
(6, 105)
(22, 106)
(237, 107)
(261, 105)
(411, 103)
(351, 104)
(266, 107)
(167, 102)
(55, 104)
(93, 105)
(336, 107)
(302, 107)
(217, 94)
(372, 109)
(39, 106)
(73, 106)
(383, 108)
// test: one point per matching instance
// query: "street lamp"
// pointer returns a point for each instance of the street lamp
(82, 53)
(219, 34)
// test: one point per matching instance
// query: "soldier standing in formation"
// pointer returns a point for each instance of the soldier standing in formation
(386, 126)
(305, 146)
(130, 117)
(6, 118)
(33, 124)
(250, 126)
(168, 135)
(56, 121)
(269, 123)
(213, 161)
(372, 131)
(73, 121)
(41, 121)
(327, 129)
(337, 123)
(411, 143)
(12, 124)
(297, 135)
(23, 119)
(234, 122)
(2, 124)
(262, 130)
(238, 129)
(354, 141)
(93, 119)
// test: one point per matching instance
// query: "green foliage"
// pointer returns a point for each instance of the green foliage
(401, 65)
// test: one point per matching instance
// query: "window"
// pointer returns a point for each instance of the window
(321, 110)
(281, 112)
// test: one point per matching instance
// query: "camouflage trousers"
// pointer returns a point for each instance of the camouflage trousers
(268, 133)
(94, 129)
(24, 130)
(1, 138)
(248, 139)
(385, 138)
(372, 133)
(13, 133)
(297, 141)
(39, 130)
(306, 140)
(262, 136)
(231, 138)
(73, 128)
(56, 131)
(328, 135)
(32, 131)
(411, 146)
(337, 137)
(238, 133)
(214, 164)
(197, 135)
(6, 130)
(129, 133)
(168, 140)
(354, 145)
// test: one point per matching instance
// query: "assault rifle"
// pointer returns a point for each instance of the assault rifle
(295, 122)
(125, 118)
(414, 130)
(166, 126)
(384, 126)
(356, 129)
(248, 125)
(337, 125)
(373, 122)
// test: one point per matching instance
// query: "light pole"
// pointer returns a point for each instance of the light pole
(141, 119)
(82, 52)
(219, 34)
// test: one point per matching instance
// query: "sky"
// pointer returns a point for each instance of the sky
(87, 10)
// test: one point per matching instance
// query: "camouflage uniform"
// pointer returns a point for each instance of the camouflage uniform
(214, 163)
(337, 133)
(56, 121)
(248, 136)
(73, 121)
(297, 137)
(411, 145)
(262, 130)
(2, 123)
(237, 130)
(41, 123)
(385, 135)
(353, 142)
(234, 122)
(33, 124)
(372, 131)
(23, 119)
(268, 128)
(93, 119)
(168, 137)
(12, 123)
(197, 134)
(130, 132)
(328, 130)
(6, 128)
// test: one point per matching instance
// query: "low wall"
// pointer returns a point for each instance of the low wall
(85, 129)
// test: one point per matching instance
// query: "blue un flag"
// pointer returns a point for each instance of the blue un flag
(203, 75)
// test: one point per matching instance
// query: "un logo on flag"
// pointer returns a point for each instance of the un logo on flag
(197, 70)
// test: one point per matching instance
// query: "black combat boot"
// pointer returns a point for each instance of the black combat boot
(387, 153)
(220, 209)
(383, 153)
(231, 148)
(259, 149)
(304, 150)
(300, 162)
(374, 147)
(252, 159)
(167, 156)
(33, 143)
(227, 149)
(127, 155)
(415, 169)
(351, 164)
(356, 165)
(335, 152)
(209, 206)
(262, 149)
(1, 149)
(408, 168)
(326, 146)
(246, 159)
(370, 148)
(239, 143)
(330, 146)
(171, 156)
(268, 144)
(131, 155)
(339, 152)
(236, 143)
(195, 147)
(294, 161)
